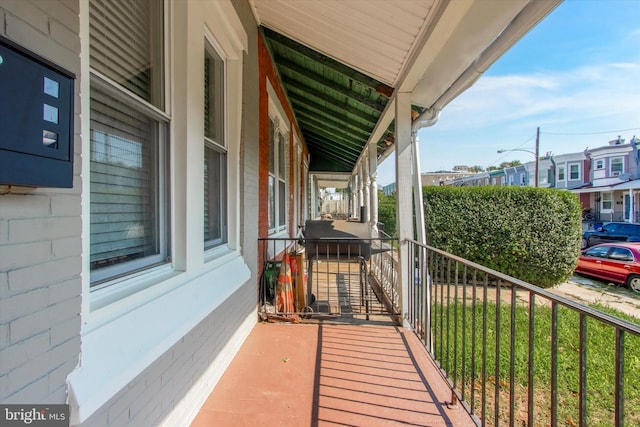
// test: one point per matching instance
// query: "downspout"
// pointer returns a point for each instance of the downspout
(428, 118)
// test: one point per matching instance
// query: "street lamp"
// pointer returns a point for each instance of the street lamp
(537, 153)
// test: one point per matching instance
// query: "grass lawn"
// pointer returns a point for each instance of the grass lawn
(449, 334)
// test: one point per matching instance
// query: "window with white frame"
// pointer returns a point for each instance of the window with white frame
(128, 143)
(617, 166)
(215, 151)
(561, 173)
(606, 202)
(574, 171)
(278, 176)
(600, 164)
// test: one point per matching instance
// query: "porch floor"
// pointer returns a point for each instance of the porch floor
(331, 374)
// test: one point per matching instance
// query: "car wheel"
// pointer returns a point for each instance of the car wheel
(583, 243)
(633, 282)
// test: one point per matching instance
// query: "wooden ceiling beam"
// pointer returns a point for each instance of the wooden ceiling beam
(308, 74)
(307, 110)
(324, 141)
(302, 98)
(345, 70)
(376, 107)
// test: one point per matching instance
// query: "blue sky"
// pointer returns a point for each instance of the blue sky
(576, 75)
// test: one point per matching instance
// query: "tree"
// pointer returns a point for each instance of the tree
(509, 164)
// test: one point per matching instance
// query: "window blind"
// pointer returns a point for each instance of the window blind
(126, 44)
(124, 183)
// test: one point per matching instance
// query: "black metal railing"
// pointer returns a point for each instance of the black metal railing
(515, 354)
(346, 277)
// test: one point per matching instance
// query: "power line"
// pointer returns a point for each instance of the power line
(589, 133)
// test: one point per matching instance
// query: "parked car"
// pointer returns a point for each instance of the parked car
(611, 232)
(615, 262)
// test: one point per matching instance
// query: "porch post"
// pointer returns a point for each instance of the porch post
(360, 195)
(354, 195)
(404, 201)
(373, 192)
(365, 187)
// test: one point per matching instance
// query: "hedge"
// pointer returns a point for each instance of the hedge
(529, 233)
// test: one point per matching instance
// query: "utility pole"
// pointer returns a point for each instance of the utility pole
(537, 153)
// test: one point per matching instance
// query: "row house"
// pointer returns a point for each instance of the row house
(606, 178)
(611, 192)
(149, 145)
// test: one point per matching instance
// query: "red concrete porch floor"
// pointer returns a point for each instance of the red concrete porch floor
(331, 375)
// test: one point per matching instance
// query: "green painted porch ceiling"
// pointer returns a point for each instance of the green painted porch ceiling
(336, 107)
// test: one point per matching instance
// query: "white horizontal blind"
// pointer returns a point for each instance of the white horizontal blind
(124, 183)
(126, 44)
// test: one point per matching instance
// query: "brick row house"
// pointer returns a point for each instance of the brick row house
(606, 178)
(165, 137)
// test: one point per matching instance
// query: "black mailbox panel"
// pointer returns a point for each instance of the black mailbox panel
(36, 120)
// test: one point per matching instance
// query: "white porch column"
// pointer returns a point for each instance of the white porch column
(404, 201)
(365, 187)
(354, 196)
(373, 192)
(360, 184)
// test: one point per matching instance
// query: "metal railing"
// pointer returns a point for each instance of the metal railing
(515, 354)
(352, 277)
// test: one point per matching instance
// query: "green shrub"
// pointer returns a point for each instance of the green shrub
(529, 233)
(387, 213)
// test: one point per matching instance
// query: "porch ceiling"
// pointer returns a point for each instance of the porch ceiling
(341, 62)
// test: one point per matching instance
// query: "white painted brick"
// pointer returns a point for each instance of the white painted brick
(35, 230)
(67, 247)
(65, 331)
(14, 206)
(147, 416)
(30, 15)
(4, 285)
(41, 321)
(20, 305)
(24, 254)
(71, 4)
(59, 395)
(58, 377)
(64, 290)
(37, 276)
(4, 231)
(23, 34)
(18, 354)
(4, 387)
(64, 35)
(63, 13)
(121, 420)
(139, 400)
(65, 205)
(119, 408)
(4, 334)
(33, 370)
(37, 391)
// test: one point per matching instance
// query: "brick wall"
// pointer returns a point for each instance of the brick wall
(152, 396)
(40, 229)
(267, 72)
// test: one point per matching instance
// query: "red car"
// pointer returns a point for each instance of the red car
(615, 262)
